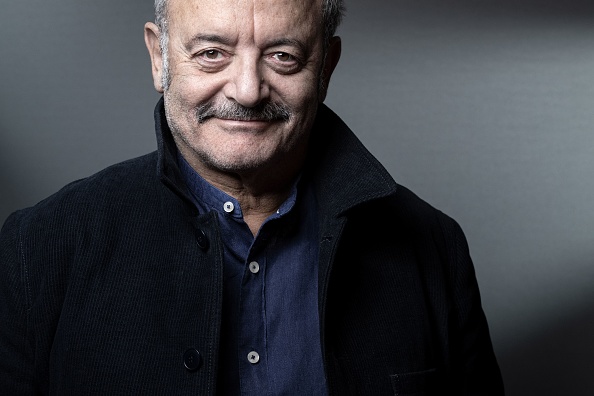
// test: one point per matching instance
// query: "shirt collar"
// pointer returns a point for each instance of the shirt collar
(207, 197)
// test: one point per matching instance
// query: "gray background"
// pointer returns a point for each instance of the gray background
(483, 108)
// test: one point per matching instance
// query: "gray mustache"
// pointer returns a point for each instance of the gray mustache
(266, 111)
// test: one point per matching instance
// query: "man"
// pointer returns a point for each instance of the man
(261, 250)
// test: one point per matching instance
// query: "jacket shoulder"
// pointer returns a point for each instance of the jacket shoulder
(86, 206)
(109, 187)
(42, 237)
(412, 210)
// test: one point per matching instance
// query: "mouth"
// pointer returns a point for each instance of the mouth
(249, 126)
(242, 119)
(248, 122)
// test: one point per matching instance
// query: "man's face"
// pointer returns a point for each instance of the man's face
(244, 80)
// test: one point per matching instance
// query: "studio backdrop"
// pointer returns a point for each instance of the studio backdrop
(483, 108)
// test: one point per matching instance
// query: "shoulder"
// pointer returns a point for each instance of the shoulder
(407, 208)
(83, 216)
(107, 191)
(419, 214)
(115, 180)
(406, 220)
(430, 230)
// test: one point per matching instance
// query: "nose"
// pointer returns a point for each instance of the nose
(247, 85)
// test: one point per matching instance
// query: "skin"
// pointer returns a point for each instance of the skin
(246, 52)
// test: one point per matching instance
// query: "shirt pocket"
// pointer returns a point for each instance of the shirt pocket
(419, 383)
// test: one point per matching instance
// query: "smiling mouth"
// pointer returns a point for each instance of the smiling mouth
(253, 119)
(251, 127)
(267, 120)
(245, 123)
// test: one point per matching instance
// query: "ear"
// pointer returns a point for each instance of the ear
(332, 58)
(151, 39)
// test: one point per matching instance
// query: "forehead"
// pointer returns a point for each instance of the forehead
(246, 17)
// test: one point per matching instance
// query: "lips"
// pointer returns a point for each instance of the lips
(250, 119)
(242, 126)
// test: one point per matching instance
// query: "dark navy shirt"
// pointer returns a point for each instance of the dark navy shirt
(270, 340)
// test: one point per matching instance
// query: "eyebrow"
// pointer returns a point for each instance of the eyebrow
(287, 41)
(210, 38)
(215, 38)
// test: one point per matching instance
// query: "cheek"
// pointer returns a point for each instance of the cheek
(195, 87)
(187, 91)
(298, 93)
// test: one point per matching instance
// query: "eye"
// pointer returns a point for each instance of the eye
(284, 62)
(283, 57)
(212, 59)
(211, 54)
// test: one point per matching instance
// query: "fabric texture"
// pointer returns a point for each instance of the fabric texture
(113, 285)
(271, 310)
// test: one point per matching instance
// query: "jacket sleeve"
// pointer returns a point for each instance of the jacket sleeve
(16, 358)
(478, 372)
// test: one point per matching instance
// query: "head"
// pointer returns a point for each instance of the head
(242, 79)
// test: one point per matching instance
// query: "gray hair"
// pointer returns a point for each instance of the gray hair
(161, 22)
(332, 13)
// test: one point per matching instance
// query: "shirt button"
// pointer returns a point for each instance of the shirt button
(253, 357)
(192, 359)
(228, 207)
(254, 267)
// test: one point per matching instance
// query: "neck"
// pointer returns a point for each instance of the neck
(259, 197)
(259, 192)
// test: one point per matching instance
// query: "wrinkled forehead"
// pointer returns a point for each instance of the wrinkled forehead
(245, 15)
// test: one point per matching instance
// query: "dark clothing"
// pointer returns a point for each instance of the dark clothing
(113, 286)
(270, 294)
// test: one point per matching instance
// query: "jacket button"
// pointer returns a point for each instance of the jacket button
(192, 359)
(201, 239)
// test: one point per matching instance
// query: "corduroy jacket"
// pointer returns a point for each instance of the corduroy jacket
(113, 285)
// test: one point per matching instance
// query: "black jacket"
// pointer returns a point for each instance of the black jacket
(106, 285)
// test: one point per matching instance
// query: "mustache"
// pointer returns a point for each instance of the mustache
(265, 111)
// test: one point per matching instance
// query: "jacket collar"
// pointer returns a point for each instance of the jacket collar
(167, 167)
(344, 172)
